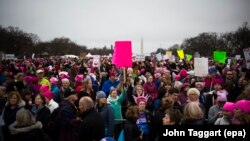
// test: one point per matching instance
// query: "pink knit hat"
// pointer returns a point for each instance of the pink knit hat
(44, 88)
(244, 105)
(217, 81)
(79, 78)
(177, 78)
(229, 106)
(221, 97)
(157, 75)
(183, 73)
(53, 80)
(48, 94)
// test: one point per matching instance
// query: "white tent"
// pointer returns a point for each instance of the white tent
(70, 56)
(89, 55)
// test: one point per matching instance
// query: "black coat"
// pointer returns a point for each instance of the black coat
(131, 131)
(43, 116)
(29, 133)
(68, 122)
(92, 126)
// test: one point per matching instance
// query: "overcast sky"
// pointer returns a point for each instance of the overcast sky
(96, 23)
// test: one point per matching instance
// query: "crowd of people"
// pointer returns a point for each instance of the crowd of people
(70, 100)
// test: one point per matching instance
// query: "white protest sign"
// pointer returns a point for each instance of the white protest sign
(172, 58)
(167, 57)
(159, 56)
(140, 58)
(247, 56)
(201, 66)
(33, 55)
(9, 56)
(237, 57)
(96, 61)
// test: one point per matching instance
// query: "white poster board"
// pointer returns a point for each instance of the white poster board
(96, 61)
(159, 56)
(140, 58)
(9, 56)
(247, 56)
(201, 66)
(237, 57)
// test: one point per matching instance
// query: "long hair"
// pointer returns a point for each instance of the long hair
(85, 85)
(24, 118)
(16, 93)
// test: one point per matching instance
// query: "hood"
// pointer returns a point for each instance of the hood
(16, 130)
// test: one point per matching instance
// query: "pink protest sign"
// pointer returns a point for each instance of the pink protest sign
(123, 54)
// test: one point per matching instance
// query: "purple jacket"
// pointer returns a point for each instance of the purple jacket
(151, 90)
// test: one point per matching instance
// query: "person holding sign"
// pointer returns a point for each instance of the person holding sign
(111, 82)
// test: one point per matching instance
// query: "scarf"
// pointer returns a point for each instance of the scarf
(112, 100)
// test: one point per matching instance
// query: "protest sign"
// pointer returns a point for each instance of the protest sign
(220, 56)
(123, 54)
(180, 53)
(201, 66)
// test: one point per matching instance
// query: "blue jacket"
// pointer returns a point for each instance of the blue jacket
(108, 84)
(56, 92)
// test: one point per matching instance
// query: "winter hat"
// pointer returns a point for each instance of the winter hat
(244, 105)
(217, 81)
(44, 88)
(112, 73)
(229, 106)
(157, 75)
(53, 80)
(183, 73)
(28, 79)
(34, 80)
(177, 78)
(141, 98)
(157, 70)
(48, 94)
(65, 80)
(79, 78)
(100, 94)
(39, 71)
(221, 97)
(68, 92)
(212, 70)
(200, 83)
(143, 71)
(193, 91)
(184, 85)
(63, 74)
(165, 71)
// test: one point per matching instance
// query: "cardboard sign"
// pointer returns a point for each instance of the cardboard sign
(201, 66)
